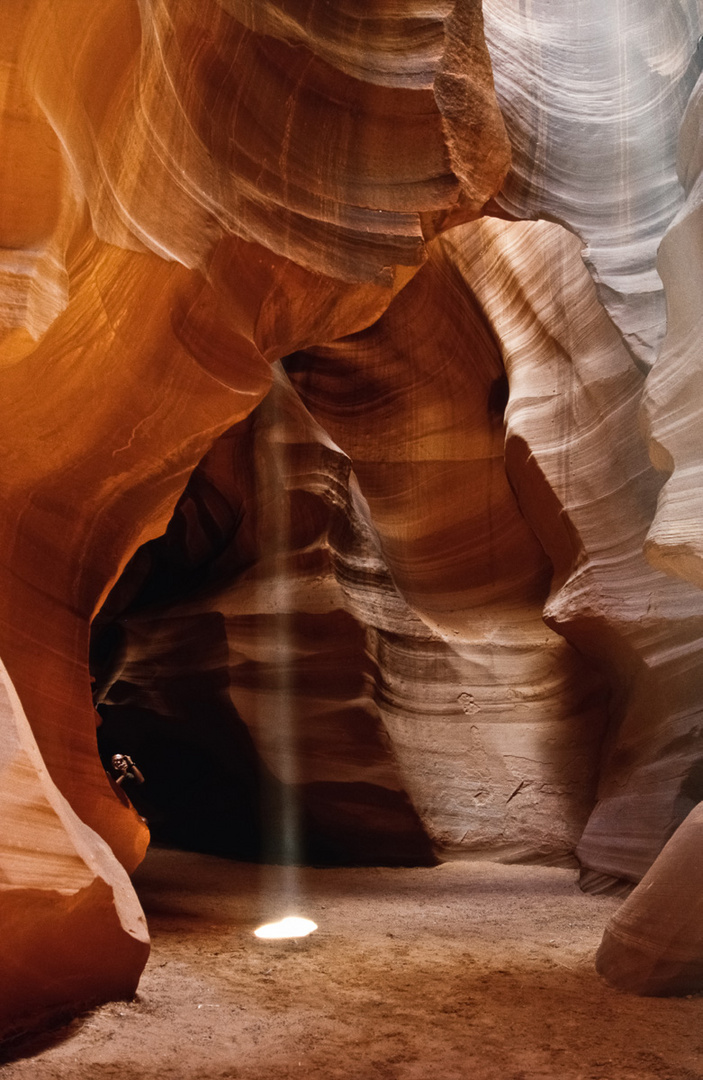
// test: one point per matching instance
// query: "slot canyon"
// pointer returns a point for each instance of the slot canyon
(350, 376)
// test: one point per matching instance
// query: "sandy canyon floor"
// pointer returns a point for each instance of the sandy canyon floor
(469, 971)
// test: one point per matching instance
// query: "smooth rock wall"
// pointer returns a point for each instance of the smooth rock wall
(593, 93)
(499, 726)
(191, 190)
(579, 467)
(673, 400)
(64, 899)
(327, 149)
(495, 722)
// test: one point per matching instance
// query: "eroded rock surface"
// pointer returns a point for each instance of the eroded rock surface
(593, 94)
(653, 944)
(262, 674)
(190, 191)
(362, 711)
(431, 595)
(585, 484)
(73, 931)
(674, 392)
(497, 722)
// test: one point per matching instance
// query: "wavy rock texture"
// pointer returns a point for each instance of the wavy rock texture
(63, 897)
(654, 944)
(674, 395)
(495, 723)
(584, 482)
(259, 121)
(261, 676)
(310, 597)
(498, 727)
(592, 93)
(166, 163)
(193, 189)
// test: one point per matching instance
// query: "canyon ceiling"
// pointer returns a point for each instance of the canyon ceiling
(350, 395)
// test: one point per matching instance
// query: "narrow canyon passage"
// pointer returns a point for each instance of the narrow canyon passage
(350, 461)
(466, 970)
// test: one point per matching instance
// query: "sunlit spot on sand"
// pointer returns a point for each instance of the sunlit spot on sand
(289, 927)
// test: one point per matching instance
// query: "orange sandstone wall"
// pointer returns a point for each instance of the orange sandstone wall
(187, 192)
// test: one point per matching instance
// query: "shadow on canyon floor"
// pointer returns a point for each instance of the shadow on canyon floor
(466, 971)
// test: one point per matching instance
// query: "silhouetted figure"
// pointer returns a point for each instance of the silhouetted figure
(124, 769)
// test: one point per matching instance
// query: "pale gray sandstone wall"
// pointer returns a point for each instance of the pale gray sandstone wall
(593, 94)
(673, 394)
(487, 593)
(654, 944)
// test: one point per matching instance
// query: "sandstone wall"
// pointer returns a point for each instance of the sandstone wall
(189, 192)
(439, 592)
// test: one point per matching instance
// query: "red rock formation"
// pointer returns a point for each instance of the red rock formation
(348, 696)
(215, 120)
(73, 930)
(261, 673)
(408, 408)
(192, 189)
(496, 723)
(168, 161)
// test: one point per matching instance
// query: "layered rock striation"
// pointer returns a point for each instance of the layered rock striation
(352, 699)
(652, 945)
(190, 192)
(244, 655)
(428, 597)
(584, 481)
(593, 94)
(672, 405)
(498, 723)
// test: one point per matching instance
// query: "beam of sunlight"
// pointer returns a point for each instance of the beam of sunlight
(283, 843)
(290, 927)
